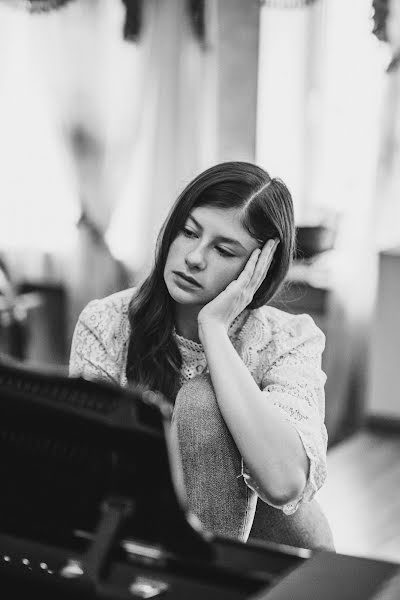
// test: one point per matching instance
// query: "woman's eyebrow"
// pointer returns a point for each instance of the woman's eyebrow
(219, 237)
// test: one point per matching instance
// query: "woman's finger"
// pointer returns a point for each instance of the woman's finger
(264, 262)
(246, 275)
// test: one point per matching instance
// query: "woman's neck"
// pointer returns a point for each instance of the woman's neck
(186, 322)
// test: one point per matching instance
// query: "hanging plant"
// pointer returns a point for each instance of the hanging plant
(133, 16)
(133, 19)
(196, 10)
(36, 6)
(381, 12)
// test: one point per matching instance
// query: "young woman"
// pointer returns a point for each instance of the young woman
(245, 378)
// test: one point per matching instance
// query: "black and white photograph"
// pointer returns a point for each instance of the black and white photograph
(200, 299)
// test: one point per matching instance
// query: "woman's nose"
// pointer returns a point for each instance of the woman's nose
(195, 258)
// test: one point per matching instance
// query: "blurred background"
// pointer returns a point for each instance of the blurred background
(108, 108)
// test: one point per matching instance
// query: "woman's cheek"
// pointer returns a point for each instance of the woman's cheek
(177, 247)
(227, 276)
(238, 269)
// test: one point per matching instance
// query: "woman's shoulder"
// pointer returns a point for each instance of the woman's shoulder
(278, 320)
(108, 317)
(116, 302)
(270, 326)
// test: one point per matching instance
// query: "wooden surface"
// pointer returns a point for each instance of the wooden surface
(361, 497)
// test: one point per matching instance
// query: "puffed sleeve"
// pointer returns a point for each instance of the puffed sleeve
(294, 382)
(89, 357)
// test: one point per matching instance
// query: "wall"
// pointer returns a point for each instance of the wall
(383, 398)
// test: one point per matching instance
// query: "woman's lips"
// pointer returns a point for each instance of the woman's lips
(182, 278)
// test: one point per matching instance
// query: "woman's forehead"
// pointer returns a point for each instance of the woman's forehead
(215, 214)
(210, 215)
(223, 222)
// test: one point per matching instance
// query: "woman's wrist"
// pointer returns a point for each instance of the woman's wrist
(208, 328)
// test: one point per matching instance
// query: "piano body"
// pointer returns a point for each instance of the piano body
(92, 505)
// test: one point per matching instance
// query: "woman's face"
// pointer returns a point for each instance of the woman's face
(212, 248)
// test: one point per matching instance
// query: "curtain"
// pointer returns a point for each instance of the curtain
(37, 184)
(345, 178)
(387, 192)
(175, 128)
(282, 96)
(56, 146)
(320, 104)
(114, 130)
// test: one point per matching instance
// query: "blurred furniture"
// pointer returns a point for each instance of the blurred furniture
(13, 310)
(314, 239)
(46, 323)
(383, 397)
(32, 320)
(300, 296)
(14, 323)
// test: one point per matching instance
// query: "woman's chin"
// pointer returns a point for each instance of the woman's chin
(183, 295)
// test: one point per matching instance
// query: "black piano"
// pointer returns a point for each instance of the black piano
(92, 505)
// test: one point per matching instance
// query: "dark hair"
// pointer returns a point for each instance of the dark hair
(266, 208)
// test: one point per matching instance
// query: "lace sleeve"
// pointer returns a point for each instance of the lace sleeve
(89, 357)
(294, 382)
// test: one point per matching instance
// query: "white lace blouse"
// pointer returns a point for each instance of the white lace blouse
(282, 352)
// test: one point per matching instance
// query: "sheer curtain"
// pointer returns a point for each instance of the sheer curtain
(38, 203)
(111, 132)
(328, 76)
(174, 130)
(288, 83)
(387, 207)
(345, 178)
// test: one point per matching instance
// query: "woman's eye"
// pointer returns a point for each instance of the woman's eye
(188, 232)
(224, 252)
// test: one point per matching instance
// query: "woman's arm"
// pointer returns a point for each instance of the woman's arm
(270, 446)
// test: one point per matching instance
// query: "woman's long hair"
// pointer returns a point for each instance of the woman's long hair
(266, 208)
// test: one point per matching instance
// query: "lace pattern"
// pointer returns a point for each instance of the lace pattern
(100, 342)
(282, 352)
(194, 359)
